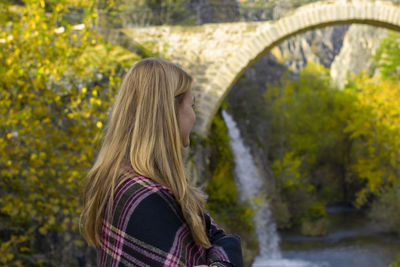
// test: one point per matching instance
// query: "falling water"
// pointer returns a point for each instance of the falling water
(250, 184)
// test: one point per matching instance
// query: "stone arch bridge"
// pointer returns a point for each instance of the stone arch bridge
(217, 54)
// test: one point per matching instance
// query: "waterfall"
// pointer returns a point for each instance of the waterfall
(250, 184)
(250, 188)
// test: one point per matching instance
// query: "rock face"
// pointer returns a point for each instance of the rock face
(359, 47)
(320, 46)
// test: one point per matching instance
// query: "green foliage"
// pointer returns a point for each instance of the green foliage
(375, 127)
(375, 124)
(314, 227)
(314, 221)
(327, 143)
(306, 136)
(316, 211)
(302, 111)
(281, 214)
(385, 210)
(57, 82)
(396, 263)
(388, 57)
(287, 171)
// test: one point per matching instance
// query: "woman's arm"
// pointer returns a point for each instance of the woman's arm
(148, 230)
(225, 248)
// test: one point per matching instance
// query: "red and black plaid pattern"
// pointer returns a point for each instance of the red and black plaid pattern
(147, 228)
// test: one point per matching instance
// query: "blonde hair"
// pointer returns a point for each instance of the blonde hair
(143, 132)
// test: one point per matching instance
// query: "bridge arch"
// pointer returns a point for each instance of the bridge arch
(309, 17)
(217, 54)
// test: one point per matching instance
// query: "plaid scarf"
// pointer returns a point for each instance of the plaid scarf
(148, 229)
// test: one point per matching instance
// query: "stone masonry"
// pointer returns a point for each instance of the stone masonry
(217, 54)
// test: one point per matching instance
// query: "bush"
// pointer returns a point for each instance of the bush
(396, 263)
(385, 210)
(315, 227)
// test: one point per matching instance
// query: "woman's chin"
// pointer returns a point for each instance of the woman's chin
(186, 143)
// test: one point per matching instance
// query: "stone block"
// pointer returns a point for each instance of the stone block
(287, 26)
(356, 12)
(313, 16)
(225, 73)
(299, 20)
(280, 28)
(322, 13)
(308, 19)
(370, 11)
(352, 11)
(290, 25)
(398, 17)
(331, 14)
(258, 44)
(363, 12)
(304, 20)
(250, 49)
(385, 14)
(266, 38)
(393, 15)
(340, 12)
(220, 83)
(376, 12)
(273, 33)
(241, 56)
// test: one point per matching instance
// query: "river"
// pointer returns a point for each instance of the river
(352, 240)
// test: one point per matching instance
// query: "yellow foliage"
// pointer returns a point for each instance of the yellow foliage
(56, 87)
(376, 121)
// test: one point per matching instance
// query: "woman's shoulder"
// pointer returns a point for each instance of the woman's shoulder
(132, 182)
(137, 190)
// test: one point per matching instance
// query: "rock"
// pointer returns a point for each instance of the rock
(320, 46)
(359, 47)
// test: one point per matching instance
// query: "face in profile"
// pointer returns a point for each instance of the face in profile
(186, 117)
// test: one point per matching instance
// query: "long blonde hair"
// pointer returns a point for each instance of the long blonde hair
(143, 132)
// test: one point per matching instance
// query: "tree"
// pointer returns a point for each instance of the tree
(375, 126)
(57, 82)
(388, 57)
(309, 153)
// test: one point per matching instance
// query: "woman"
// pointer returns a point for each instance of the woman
(140, 208)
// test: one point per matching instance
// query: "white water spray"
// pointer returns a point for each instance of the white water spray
(250, 184)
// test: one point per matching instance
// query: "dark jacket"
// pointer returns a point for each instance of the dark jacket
(148, 229)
